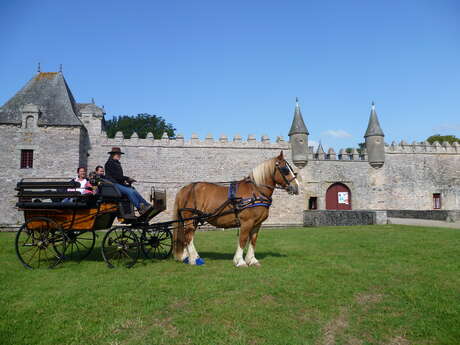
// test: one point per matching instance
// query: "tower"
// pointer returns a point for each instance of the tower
(375, 144)
(298, 137)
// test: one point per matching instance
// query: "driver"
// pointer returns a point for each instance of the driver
(114, 173)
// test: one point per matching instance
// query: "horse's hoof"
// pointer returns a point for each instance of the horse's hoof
(255, 264)
(185, 261)
(243, 264)
(199, 262)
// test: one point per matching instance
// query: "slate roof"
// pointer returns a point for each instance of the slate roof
(298, 125)
(373, 127)
(89, 107)
(50, 92)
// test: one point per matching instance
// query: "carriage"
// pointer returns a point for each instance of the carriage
(61, 225)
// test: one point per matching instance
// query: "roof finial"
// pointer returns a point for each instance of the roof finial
(39, 69)
(373, 105)
(92, 100)
(297, 99)
(60, 68)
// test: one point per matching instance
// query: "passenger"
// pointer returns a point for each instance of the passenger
(114, 173)
(85, 186)
(99, 171)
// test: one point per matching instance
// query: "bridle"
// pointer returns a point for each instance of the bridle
(284, 172)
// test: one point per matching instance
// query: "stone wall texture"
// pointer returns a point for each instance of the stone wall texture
(57, 153)
(407, 181)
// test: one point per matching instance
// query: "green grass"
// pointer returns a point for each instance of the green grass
(349, 285)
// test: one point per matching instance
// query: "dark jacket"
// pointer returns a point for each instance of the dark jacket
(114, 172)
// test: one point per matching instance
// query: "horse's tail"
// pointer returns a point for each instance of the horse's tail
(179, 233)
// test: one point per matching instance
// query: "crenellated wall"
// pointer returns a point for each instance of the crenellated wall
(423, 147)
(412, 173)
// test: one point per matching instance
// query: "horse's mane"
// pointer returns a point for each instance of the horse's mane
(262, 173)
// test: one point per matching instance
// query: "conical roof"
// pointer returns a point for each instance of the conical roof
(373, 127)
(298, 126)
(50, 92)
(320, 149)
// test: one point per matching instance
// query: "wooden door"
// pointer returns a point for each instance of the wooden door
(338, 197)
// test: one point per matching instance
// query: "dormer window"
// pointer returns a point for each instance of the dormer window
(30, 113)
(30, 122)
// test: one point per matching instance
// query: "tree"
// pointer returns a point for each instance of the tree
(360, 149)
(440, 138)
(141, 124)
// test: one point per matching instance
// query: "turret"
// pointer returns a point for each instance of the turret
(298, 137)
(92, 117)
(375, 144)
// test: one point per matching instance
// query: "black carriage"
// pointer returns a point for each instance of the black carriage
(60, 224)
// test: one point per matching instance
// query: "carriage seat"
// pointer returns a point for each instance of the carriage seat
(52, 205)
(108, 192)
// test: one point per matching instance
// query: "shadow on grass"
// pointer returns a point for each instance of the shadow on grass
(229, 256)
(96, 256)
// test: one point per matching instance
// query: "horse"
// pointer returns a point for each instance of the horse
(244, 204)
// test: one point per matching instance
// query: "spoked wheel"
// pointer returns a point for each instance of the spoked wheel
(40, 243)
(79, 244)
(156, 243)
(120, 247)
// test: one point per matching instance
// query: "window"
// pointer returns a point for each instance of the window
(27, 159)
(313, 203)
(437, 201)
(30, 122)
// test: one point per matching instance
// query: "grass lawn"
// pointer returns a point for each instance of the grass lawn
(348, 285)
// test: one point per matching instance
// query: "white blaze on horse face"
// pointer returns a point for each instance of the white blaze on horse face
(293, 175)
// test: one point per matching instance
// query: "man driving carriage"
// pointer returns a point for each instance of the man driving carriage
(114, 173)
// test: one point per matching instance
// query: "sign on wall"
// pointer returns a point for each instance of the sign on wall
(343, 197)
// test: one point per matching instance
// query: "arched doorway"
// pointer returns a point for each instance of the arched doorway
(338, 197)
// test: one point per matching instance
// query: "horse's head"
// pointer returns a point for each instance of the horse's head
(284, 175)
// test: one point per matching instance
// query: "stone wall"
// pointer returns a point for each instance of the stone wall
(343, 218)
(414, 173)
(56, 154)
(444, 215)
(170, 164)
(410, 176)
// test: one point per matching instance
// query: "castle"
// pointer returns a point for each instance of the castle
(46, 133)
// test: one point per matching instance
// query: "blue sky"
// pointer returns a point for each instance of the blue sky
(236, 66)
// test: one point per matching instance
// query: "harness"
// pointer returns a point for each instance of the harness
(242, 203)
(238, 204)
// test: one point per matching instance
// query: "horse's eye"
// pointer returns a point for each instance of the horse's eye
(284, 170)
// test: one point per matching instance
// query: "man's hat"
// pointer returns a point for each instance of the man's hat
(116, 149)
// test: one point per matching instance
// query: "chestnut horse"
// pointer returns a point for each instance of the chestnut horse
(244, 204)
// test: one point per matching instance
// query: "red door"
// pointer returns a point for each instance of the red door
(338, 197)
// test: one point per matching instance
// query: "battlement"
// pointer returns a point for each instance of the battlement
(422, 147)
(331, 155)
(195, 141)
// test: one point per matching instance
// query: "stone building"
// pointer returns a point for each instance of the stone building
(46, 133)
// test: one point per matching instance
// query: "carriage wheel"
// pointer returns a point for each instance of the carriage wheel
(40, 243)
(120, 247)
(156, 243)
(79, 244)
